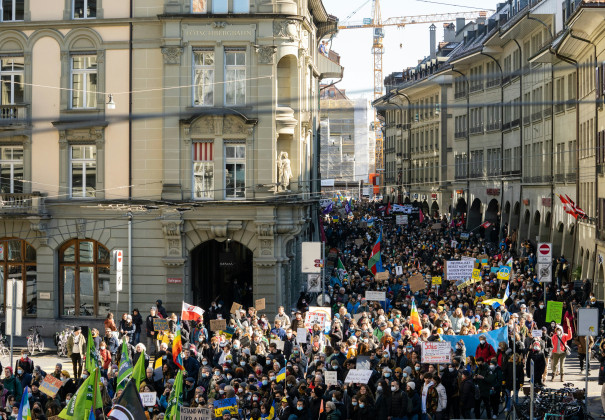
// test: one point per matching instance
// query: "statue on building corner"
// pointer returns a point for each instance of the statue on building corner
(284, 172)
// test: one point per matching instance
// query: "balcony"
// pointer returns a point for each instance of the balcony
(493, 126)
(559, 178)
(492, 83)
(459, 95)
(284, 120)
(460, 134)
(478, 129)
(13, 116)
(536, 116)
(570, 177)
(22, 204)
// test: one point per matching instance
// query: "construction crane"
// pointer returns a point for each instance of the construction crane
(378, 25)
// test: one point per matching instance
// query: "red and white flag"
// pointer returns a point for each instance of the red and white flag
(577, 210)
(485, 225)
(567, 206)
(191, 313)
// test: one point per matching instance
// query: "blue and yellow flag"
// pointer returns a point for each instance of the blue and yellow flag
(24, 411)
(281, 375)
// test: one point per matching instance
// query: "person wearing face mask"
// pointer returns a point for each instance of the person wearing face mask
(449, 380)
(494, 380)
(481, 379)
(460, 351)
(398, 403)
(484, 349)
(559, 343)
(383, 397)
(537, 356)
(540, 315)
(23, 377)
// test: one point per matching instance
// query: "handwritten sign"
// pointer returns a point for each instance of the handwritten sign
(148, 398)
(226, 404)
(436, 352)
(235, 307)
(358, 376)
(436, 226)
(196, 413)
(460, 270)
(50, 386)
(259, 304)
(417, 283)
(435, 280)
(554, 311)
(160, 324)
(384, 275)
(378, 296)
(536, 333)
(401, 219)
(301, 335)
(218, 324)
(278, 344)
(317, 315)
(331, 378)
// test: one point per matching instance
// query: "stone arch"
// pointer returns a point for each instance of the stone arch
(45, 33)
(83, 39)
(557, 239)
(524, 229)
(461, 206)
(534, 228)
(474, 215)
(200, 231)
(82, 228)
(13, 41)
(425, 207)
(435, 209)
(600, 280)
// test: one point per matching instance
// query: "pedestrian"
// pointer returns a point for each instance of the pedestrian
(152, 343)
(560, 348)
(76, 347)
(602, 375)
(137, 320)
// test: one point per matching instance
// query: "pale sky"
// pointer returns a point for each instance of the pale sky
(402, 47)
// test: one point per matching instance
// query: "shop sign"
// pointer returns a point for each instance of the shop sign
(546, 202)
(493, 191)
(174, 280)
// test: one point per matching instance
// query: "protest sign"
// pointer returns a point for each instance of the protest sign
(536, 333)
(218, 324)
(196, 413)
(401, 219)
(464, 236)
(279, 344)
(301, 335)
(554, 311)
(504, 273)
(436, 226)
(160, 324)
(358, 376)
(50, 386)
(460, 270)
(494, 269)
(259, 305)
(148, 398)
(235, 307)
(588, 322)
(436, 280)
(331, 378)
(378, 296)
(226, 404)
(384, 275)
(436, 352)
(363, 363)
(358, 316)
(399, 270)
(317, 315)
(359, 242)
(417, 283)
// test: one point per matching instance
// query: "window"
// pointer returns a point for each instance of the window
(235, 77)
(241, 6)
(203, 170)
(11, 75)
(18, 261)
(83, 81)
(199, 6)
(85, 9)
(84, 278)
(235, 171)
(220, 6)
(12, 10)
(203, 77)
(83, 171)
(11, 170)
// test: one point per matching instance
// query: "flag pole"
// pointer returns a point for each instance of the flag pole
(94, 391)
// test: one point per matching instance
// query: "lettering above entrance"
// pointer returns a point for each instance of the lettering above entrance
(219, 32)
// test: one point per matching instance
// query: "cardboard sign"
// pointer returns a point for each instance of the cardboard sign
(301, 335)
(148, 398)
(235, 307)
(363, 363)
(384, 275)
(279, 344)
(160, 324)
(436, 280)
(50, 386)
(359, 242)
(436, 226)
(358, 376)
(197, 413)
(435, 352)
(417, 283)
(536, 333)
(218, 324)
(331, 378)
(504, 273)
(378, 296)
(476, 274)
(259, 304)
(554, 311)
(460, 270)
(226, 404)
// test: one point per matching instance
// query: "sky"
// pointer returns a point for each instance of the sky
(403, 47)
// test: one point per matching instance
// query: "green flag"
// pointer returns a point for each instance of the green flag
(80, 403)
(125, 370)
(138, 373)
(92, 356)
(342, 272)
(175, 400)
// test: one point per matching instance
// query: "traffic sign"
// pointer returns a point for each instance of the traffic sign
(544, 253)
(119, 258)
(545, 273)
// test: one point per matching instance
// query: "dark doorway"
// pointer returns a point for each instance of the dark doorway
(221, 271)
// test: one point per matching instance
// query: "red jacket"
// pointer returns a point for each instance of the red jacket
(558, 345)
(486, 351)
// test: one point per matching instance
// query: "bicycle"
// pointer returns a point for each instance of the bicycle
(4, 350)
(61, 340)
(34, 340)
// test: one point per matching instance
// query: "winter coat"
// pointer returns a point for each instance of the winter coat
(539, 363)
(486, 351)
(602, 367)
(333, 415)
(559, 343)
(467, 395)
(398, 404)
(508, 375)
(381, 407)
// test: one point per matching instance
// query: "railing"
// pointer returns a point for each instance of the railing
(506, 126)
(11, 114)
(493, 126)
(476, 87)
(526, 119)
(22, 203)
(547, 111)
(559, 177)
(571, 104)
(477, 129)
(536, 116)
(492, 83)
(459, 95)
(515, 123)
(559, 108)
(459, 134)
(570, 177)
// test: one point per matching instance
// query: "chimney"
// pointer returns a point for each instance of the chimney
(460, 22)
(433, 40)
(449, 32)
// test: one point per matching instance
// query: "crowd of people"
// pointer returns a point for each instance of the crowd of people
(272, 372)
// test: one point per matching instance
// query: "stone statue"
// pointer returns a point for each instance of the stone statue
(284, 172)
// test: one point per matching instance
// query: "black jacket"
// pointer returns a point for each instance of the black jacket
(398, 404)
(467, 395)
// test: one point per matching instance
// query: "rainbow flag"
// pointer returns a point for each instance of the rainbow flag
(415, 318)
(24, 411)
(177, 348)
(375, 261)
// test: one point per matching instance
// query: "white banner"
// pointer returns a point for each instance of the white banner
(358, 376)
(378, 296)
(460, 270)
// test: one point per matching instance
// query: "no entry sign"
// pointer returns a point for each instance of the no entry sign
(544, 253)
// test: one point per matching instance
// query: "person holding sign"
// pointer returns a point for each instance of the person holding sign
(559, 353)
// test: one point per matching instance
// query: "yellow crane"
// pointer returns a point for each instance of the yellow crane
(378, 25)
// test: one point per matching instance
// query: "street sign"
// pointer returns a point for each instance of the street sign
(544, 253)
(14, 297)
(545, 273)
(311, 257)
(119, 259)
(588, 322)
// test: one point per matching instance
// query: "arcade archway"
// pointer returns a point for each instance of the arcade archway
(474, 215)
(221, 271)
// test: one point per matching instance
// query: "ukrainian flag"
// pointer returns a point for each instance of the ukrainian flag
(281, 375)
